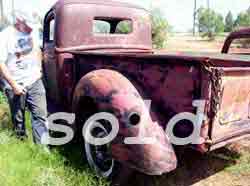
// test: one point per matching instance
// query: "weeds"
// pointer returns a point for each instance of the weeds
(26, 164)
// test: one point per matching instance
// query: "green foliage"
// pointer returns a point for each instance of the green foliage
(26, 164)
(124, 27)
(210, 23)
(243, 20)
(2, 98)
(219, 24)
(160, 28)
(229, 22)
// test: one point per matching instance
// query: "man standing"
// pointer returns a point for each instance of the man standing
(20, 68)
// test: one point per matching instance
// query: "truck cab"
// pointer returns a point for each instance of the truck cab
(108, 27)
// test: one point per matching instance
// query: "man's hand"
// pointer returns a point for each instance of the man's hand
(19, 90)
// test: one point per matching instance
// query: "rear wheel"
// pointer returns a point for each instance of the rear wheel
(99, 158)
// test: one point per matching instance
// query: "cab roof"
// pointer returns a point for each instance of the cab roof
(79, 35)
(98, 2)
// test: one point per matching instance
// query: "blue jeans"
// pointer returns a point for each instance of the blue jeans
(35, 101)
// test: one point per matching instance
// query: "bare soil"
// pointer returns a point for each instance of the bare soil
(187, 42)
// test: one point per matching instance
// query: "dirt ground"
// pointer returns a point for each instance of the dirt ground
(186, 42)
(229, 166)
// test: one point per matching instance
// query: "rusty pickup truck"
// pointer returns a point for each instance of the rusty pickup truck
(99, 59)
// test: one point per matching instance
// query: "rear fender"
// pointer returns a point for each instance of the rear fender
(112, 92)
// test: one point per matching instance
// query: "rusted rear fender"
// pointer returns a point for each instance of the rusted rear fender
(112, 92)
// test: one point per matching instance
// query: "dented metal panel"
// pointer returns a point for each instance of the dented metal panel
(173, 83)
(112, 92)
(171, 86)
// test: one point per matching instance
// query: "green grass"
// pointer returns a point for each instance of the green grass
(242, 165)
(26, 164)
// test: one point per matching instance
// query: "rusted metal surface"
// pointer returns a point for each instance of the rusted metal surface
(113, 93)
(85, 12)
(232, 119)
(171, 80)
(243, 33)
(78, 35)
(172, 86)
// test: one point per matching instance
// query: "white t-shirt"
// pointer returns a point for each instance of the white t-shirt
(26, 69)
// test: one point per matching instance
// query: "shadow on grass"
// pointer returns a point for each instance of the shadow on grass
(74, 156)
(192, 168)
(73, 151)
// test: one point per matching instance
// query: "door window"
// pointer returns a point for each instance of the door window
(49, 29)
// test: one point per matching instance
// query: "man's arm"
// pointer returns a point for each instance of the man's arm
(17, 89)
(4, 72)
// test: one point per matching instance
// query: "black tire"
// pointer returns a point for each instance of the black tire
(99, 158)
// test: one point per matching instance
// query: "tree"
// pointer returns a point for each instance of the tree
(248, 10)
(160, 28)
(210, 23)
(243, 20)
(124, 27)
(219, 24)
(229, 22)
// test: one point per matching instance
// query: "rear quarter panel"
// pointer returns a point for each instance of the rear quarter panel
(171, 84)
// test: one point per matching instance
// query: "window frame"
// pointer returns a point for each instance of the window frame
(114, 22)
(47, 27)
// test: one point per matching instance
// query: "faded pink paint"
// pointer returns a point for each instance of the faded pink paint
(115, 73)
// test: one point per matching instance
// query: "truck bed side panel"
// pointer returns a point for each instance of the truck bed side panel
(172, 86)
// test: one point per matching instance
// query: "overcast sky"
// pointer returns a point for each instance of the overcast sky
(179, 13)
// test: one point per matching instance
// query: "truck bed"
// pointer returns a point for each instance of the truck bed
(215, 59)
(174, 80)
